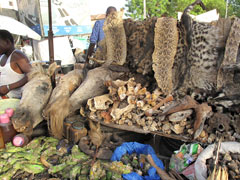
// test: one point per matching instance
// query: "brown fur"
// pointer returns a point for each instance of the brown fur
(165, 42)
(35, 96)
(58, 111)
(230, 56)
(58, 104)
(92, 86)
(115, 38)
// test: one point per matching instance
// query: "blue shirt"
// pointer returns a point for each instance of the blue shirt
(97, 32)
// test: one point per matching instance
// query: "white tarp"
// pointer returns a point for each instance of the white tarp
(205, 17)
(18, 28)
(62, 50)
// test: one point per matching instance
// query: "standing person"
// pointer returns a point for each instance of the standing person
(97, 33)
(14, 66)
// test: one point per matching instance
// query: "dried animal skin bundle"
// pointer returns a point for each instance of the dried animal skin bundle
(101, 52)
(203, 40)
(165, 42)
(230, 56)
(35, 96)
(67, 85)
(115, 38)
(180, 64)
(92, 85)
(140, 44)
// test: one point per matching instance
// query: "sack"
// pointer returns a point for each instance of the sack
(134, 147)
(200, 164)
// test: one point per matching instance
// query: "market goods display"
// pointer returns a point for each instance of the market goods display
(137, 162)
(113, 29)
(35, 96)
(66, 86)
(228, 162)
(165, 47)
(230, 55)
(46, 157)
(128, 103)
(219, 160)
(141, 155)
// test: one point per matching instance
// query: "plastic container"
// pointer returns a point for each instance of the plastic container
(67, 68)
(7, 128)
(9, 112)
(77, 131)
(2, 144)
(20, 140)
(66, 127)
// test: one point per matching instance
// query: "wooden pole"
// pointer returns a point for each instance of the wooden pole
(50, 40)
(144, 9)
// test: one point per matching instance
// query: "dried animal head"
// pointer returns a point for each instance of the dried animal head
(22, 121)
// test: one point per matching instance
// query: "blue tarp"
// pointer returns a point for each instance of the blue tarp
(134, 147)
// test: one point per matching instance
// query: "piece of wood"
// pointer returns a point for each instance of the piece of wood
(124, 127)
(163, 175)
(167, 99)
(186, 103)
(136, 129)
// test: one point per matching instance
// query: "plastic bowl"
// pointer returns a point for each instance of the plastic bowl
(67, 68)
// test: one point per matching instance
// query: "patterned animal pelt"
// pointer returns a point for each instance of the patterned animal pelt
(165, 47)
(230, 56)
(202, 54)
(115, 38)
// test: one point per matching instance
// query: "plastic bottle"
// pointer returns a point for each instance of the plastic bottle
(20, 140)
(2, 144)
(9, 112)
(7, 128)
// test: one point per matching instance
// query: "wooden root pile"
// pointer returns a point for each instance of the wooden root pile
(128, 103)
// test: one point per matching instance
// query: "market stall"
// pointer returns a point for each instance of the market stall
(159, 76)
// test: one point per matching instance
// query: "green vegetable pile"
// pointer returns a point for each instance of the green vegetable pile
(41, 160)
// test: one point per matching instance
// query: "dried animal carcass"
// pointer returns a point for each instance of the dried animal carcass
(203, 41)
(66, 86)
(35, 96)
(115, 38)
(92, 85)
(230, 56)
(140, 44)
(165, 47)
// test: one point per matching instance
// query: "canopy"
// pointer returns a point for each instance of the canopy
(18, 28)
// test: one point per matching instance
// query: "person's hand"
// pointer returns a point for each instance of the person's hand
(3, 90)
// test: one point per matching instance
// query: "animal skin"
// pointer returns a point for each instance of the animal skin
(35, 96)
(230, 56)
(165, 43)
(114, 30)
(202, 53)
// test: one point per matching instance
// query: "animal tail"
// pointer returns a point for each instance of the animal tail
(56, 113)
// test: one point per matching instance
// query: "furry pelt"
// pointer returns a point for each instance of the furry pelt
(35, 96)
(165, 47)
(66, 86)
(115, 38)
(92, 85)
(230, 55)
